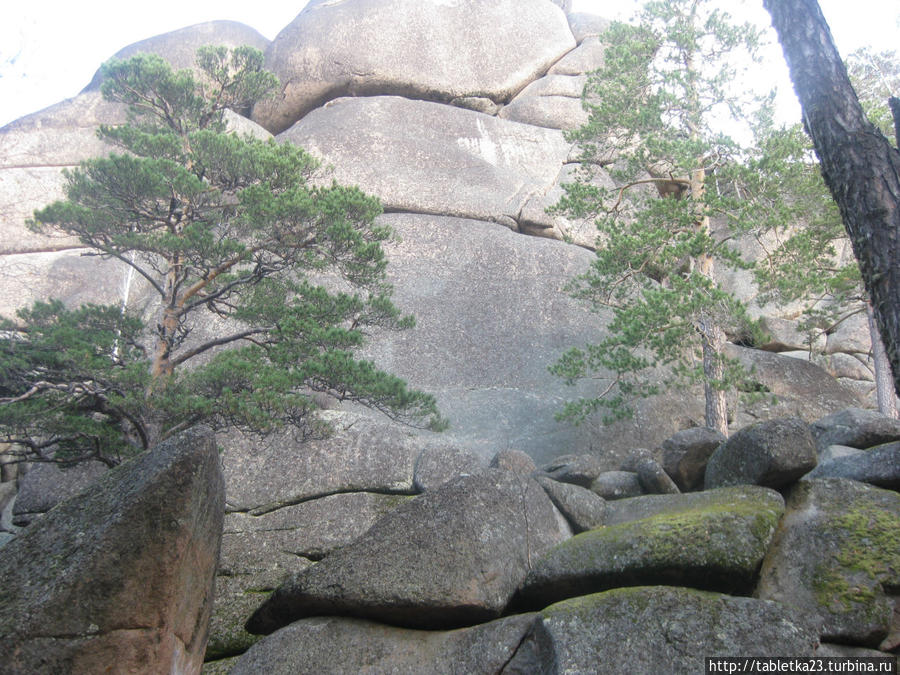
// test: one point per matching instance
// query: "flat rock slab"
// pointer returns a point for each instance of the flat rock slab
(122, 573)
(716, 544)
(773, 453)
(657, 630)
(425, 157)
(363, 454)
(856, 428)
(341, 645)
(411, 48)
(835, 558)
(878, 466)
(448, 558)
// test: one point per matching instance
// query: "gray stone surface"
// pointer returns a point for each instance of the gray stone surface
(856, 428)
(584, 509)
(657, 630)
(617, 485)
(586, 57)
(878, 466)
(363, 454)
(645, 506)
(835, 558)
(653, 478)
(773, 454)
(179, 47)
(411, 48)
(584, 24)
(122, 573)
(46, 485)
(686, 453)
(514, 460)
(340, 645)
(576, 469)
(451, 557)
(717, 545)
(441, 463)
(424, 157)
(785, 335)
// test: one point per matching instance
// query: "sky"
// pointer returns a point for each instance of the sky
(50, 49)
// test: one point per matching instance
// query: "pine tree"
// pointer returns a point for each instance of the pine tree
(656, 105)
(220, 227)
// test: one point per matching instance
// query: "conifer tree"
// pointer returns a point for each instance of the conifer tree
(656, 104)
(224, 230)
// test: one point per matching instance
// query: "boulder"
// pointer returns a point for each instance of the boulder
(341, 645)
(686, 453)
(617, 485)
(515, 461)
(856, 428)
(657, 630)
(835, 558)
(441, 463)
(424, 157)
(411, 48)
(717, 545)
(851, 336)
(877, 466)
(785, 336)
(582, 508)
(362, 454)
(586, 25)
(179, 47)
(585, 58)
(773, 454)
(653, 479)
(122, 573)
(46, 485)
(576, 469)
(645, 506)
(448, 558)
(553, 101)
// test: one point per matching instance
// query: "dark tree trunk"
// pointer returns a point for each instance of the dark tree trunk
(860, 166)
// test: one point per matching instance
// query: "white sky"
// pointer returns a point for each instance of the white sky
(56, 45)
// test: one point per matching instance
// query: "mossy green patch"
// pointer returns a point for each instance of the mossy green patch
(868, 556)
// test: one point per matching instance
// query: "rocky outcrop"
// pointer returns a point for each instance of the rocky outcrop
(122, 573)
(411, 48)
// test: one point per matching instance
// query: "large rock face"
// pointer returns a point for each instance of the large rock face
(411, 48)
(121, 574)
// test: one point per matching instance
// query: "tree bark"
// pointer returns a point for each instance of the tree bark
(859, 165)
(884, 391)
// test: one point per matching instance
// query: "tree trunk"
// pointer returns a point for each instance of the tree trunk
(884, 391)
(859, 165)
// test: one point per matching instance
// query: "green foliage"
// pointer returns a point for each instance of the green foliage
(655, 107)
(876, 77)
(220, 226)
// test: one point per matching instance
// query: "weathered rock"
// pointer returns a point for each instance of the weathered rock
(576, 469)
(553, 101)
(489, 318)
(311, 529)
(179, 47)
(404, 48)
(657, 630)
(645, 506)
(834, 556)
(425, 157)
(451, 557)
(836, 452)
(585, 25)
(121, 574)
(340, 645)
(878, 466)
(848, 366)
(583, 509)
(653, 479)
(363, 454)
(46, 485)
(441, 463)
(686, 453)
(785, 336)
(515, 461)
(850, 336)
(617, 485)
(772, 454)
(717, 545)
(586, 57)
(856, 428)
